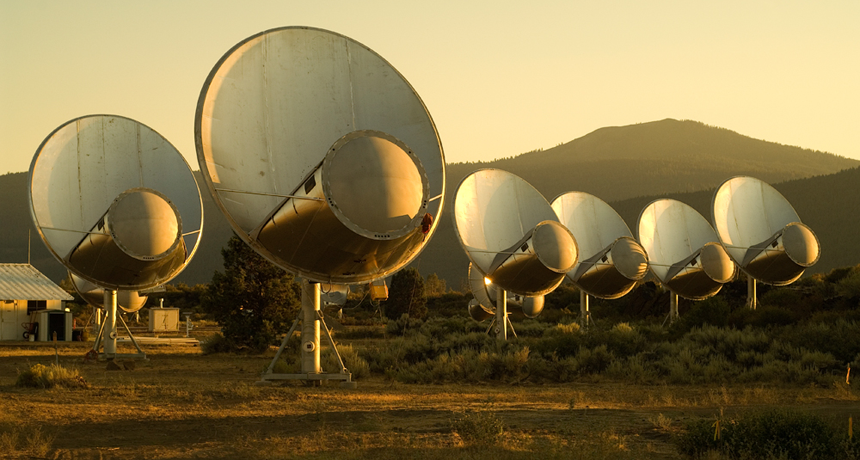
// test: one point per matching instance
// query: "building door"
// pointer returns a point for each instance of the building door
(11, 317)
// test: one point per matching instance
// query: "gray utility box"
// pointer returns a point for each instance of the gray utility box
(163, 320)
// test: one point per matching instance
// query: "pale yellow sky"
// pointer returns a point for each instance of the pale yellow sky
(499, 78)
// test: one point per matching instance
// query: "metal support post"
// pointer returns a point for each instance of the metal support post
(110, 306)
(673, 307)
(140, 353)
(310, 328)
(511, 325)
(752, 301)
(584, 313)
(283, 345)
(97, 343)
(501, 314)
(311, 318)
(97, 320)
(343, 368)
(492, 323)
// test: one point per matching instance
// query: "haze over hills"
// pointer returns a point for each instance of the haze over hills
(628, 166)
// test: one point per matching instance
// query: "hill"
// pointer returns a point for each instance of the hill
(829, 204)
(667, 156)
(627, 166)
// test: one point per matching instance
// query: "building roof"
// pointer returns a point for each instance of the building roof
(24, 282)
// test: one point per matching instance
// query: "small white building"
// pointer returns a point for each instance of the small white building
(27, 296)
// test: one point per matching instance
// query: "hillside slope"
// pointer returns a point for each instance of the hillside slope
(666, 156)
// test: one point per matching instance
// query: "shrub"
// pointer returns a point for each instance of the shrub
(713, 310)
(25, 439)
(623, 340)
(351, 360)
(39, 376)
(215, 343)
(562, 340)
(786, 297)
(849, 286)
(594, 361)
(838, 338)
(480, 427)
(402, 325)
(780, 434)
(633, 369)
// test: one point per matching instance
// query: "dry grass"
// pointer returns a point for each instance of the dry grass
(181, 404)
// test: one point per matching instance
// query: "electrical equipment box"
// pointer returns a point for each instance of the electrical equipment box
(378, 290)
(163, 320)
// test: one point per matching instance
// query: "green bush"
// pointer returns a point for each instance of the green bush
(215, 343)
(561, 340)
(39, 376)
(402, 325)
(480, 427)
(838, 338)
(595, 360)
(253, 300)
(622, 340)
(713, 311)
(782, 434)
(356, 365)
(849, 286)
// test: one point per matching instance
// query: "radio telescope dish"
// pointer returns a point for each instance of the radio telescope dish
(127, 301)
(512, 237)
(511, 233)
(482, 306)
(320, 154)
(610, 260)
(761, 231)
(117, 205)
(115, 202)
(685, 253)
(324, 160)
(485, 305)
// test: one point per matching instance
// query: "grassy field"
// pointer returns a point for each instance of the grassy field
(182, 404)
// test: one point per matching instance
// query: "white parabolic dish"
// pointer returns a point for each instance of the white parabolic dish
(683, 249)
(761, 231)
(115, 202)
(320, 153)
(610, 260)
(505, 225)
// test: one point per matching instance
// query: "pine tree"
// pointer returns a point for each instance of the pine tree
(406, 295)
(253, 300)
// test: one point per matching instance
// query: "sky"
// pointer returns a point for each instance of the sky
(499, 77)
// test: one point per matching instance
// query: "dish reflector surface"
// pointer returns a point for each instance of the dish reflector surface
(484, 304)
(761, 231)
(127, 301)
(297, 124)
(115, 202)
(610, 260)
(683, 249)
(511, 233)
